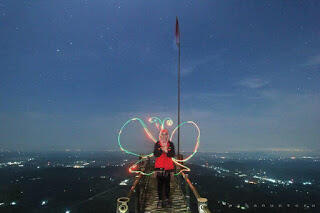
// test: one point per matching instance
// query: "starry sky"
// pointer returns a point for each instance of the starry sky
(72, 72)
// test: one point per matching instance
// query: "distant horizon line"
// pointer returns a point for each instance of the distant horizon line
(142, 152)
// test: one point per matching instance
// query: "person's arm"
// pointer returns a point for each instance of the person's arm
(171, 153)
(157, 150)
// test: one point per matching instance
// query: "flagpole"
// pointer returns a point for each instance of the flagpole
(178, 43)
(179, 102)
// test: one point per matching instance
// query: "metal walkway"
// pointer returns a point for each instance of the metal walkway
(179, 204)
(143, 195)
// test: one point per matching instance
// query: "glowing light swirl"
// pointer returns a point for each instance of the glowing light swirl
(158, 122)
(145, 129)
(131, 169)
(197, 141)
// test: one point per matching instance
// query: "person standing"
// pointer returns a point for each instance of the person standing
(164, 151)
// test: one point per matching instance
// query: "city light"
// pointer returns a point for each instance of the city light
(124, 182)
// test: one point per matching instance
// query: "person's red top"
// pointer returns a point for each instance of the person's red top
(164, 160)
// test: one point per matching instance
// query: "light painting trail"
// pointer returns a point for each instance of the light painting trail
(158, 124)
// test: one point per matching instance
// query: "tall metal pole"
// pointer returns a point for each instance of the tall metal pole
(179, 98)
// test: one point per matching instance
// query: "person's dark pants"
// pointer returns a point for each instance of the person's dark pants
(163, 178)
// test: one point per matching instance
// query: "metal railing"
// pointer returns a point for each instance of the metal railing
(137, 191)
(202, 202)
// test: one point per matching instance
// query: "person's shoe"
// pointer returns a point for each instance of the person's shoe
(169, 204)
(164, 204)
(159, 204)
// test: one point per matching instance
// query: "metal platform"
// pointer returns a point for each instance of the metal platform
(143, 195)
(179, 204)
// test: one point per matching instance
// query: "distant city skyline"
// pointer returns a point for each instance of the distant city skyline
(72, 72)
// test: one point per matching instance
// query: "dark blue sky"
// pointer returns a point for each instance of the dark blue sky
(73, 71)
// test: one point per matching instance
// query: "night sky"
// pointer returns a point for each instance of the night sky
(72, 72)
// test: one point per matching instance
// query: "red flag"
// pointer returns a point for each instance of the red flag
(177, 32)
